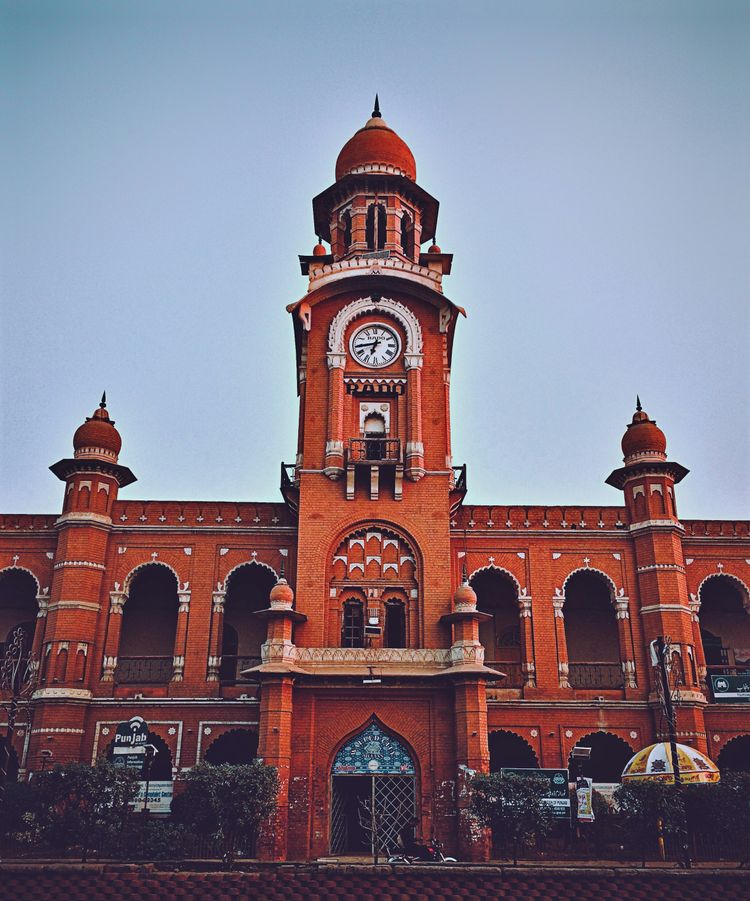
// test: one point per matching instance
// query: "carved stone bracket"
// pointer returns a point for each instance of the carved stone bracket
(214, 665)
(628, 671)
(178, 668)
(558, 602)
(116, 601)
(529, 674)
(219, 597)
(622, 608)
(524, 607)
(108, 669)
(183, 594)
(562, 669)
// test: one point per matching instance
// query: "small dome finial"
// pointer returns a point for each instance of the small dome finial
(638, 406)
(376, 109)
(103, 402)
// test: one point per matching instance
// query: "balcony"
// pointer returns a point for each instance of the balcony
(513, 674)
(232, 667)
(290, 487)
(595, 675)
(374, 450)
(144, 670)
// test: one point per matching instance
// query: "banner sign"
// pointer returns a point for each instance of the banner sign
(558, 798)
(731, 689)
(585, 799)
(159, 796)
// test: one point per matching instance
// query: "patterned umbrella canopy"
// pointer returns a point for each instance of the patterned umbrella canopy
(654, 764)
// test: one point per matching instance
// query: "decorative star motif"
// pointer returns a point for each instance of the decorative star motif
(199, 519)
(491, 559)
(490, 523)
(123, 518)
(275, 519)
(238, 519)
(453, 523)
(180, 518)
(154, 555)
(471, 523)
(162, 518)
(143, 517)
(15, 559)
(256, 518)
(254, 554)
(586, 561)
(219, 519)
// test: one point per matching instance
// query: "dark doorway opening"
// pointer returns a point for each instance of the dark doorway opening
(351, 800)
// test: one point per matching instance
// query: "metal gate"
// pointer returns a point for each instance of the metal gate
(352, 826)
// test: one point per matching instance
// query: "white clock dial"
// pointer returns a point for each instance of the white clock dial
(375, 345)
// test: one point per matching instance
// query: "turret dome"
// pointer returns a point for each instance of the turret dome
(376, 148)
(97, 437)
(643, 439)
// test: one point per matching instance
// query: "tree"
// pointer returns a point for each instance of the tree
(227, 802)
(513, 806)
(648, 810)
(83, 806)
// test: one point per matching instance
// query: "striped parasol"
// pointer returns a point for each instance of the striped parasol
(654, 764)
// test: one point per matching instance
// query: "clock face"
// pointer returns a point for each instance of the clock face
(375, 345)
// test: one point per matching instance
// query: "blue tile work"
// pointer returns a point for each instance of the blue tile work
(372, 752)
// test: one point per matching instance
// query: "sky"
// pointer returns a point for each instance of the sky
(591, 161)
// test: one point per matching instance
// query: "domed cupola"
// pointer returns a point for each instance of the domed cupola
(376, 148)
(643, 439)
(97, 438)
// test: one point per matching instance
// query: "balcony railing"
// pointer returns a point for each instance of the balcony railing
(513, 674)
(374, 450)
(725, 669)
(595, 675)
(232, 667)
(144, 670)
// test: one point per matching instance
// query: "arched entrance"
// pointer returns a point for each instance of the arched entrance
(609, 754)
(735, 755)
(371, 770)
(238, 746)
(509, 750)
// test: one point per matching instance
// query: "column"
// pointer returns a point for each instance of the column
(180, 639)
(117, 599)
(627, 653)
(334, 455)
(558, 603)
(415, 467)
(528, 667)
(217, 632)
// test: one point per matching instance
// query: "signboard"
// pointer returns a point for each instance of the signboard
(159, 796)
(585, 799)
(558, 798)
(731, 689)
(131, 739)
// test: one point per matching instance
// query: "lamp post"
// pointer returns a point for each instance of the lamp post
(662, 649)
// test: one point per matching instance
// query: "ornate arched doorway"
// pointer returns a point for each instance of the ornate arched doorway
(373, 770)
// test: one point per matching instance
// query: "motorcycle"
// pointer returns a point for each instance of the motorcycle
(432, 853)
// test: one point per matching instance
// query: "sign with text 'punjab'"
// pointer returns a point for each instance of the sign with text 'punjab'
(131, 739)
(558, 799)
(731, 689)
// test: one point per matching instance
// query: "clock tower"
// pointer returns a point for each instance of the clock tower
(374, 485)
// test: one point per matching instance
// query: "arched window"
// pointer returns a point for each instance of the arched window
(725, 625)
(248, 590)
(407, 235)
(346, 219)
(149, 625)
(395, 625)
(497, 595)
(375, 227)
(353, 625)
(237, 746)
(591, 633)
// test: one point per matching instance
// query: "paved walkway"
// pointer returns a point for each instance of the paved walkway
(289, 882)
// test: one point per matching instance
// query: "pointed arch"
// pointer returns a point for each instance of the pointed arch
(21, 569)
(247, 563)
(592, 569)
(137, 570)
(743, 588)
(609, 755)
(351, 752)
(491, 567)
(509, 749)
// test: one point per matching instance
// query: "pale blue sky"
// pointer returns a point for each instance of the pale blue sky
(591, 160)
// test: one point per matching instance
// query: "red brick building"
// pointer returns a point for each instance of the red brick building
(371, 631)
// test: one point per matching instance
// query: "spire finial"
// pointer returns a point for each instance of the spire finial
(376, 109)
(281, 569)
(638, 406)
(464, 573)
(103, 403)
